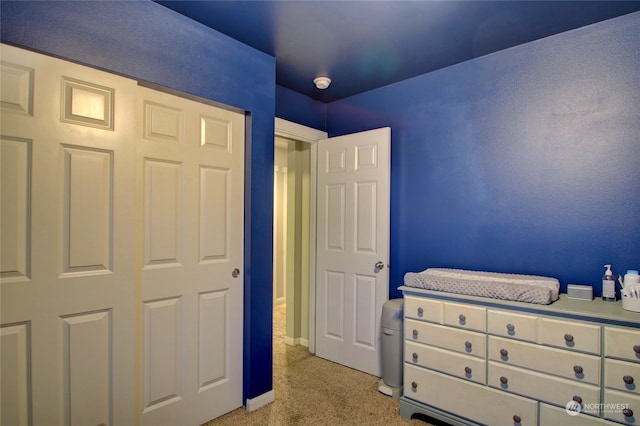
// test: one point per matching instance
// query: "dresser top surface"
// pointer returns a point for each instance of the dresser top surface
(595, 310)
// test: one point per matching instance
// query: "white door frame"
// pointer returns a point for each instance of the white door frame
(298, 132)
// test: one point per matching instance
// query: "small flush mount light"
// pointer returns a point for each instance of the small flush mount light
(322, 82)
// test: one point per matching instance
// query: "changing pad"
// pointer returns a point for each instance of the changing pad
(519, 288)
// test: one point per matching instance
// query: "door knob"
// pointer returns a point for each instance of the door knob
(379, 265)
(235, 273)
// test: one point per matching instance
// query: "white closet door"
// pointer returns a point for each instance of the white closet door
(352, 280)
(191, 175)
(68, 243)
(121, 226)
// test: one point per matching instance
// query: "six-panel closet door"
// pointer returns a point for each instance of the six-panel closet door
(68, 243)
(191, 174)
(121, 228)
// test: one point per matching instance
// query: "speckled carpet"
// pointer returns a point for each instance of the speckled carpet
(313, 391)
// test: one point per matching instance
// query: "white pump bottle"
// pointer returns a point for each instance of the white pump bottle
(608, 285)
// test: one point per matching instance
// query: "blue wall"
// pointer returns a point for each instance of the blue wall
(146, 41)
(301, 109)
(523, 161)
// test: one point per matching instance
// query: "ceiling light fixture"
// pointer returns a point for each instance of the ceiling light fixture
(322, 82)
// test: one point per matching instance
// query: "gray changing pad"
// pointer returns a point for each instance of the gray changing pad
(520, 288)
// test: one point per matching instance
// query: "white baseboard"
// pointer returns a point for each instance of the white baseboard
(295, 342)
(291, 341)
(260, 401)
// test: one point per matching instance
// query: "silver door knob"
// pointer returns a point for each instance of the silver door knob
(235, 273)
(379, 265)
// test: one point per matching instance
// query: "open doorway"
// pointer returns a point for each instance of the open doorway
(295, 229)
(292, 192)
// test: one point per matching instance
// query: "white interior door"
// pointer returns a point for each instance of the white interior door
(68, 243)
(352, 280)
(191, 174)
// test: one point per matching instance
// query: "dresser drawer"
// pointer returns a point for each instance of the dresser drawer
(622, 375)
(622, 343)
(559, 362)
(463, 366)
(423, 309)
(550, 416)
(463, 341)
(543, 387)
(570, 335)
(465, 316)
(508, 324)
(470, 400)
(617, 403)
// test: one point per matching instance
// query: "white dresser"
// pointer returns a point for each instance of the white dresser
(472, 360)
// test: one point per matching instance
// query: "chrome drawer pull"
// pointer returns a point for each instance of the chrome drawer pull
(568, 338)
(577, 399)
(415, 333)
(627, 412)
(420, 311)
(414, 385)
(467, 344)
(636, 349)
(462, 318)
(628, 380)
(415, 356)
(517, 419)
(504, 380)
(577, 369)
(510, 328)
(504, 353)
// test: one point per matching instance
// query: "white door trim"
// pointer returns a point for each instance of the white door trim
(291, 130)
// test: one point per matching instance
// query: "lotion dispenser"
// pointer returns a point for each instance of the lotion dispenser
(608, 285)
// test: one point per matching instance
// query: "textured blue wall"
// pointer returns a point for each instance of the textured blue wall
(301, 109)
(523, 161)
(146, 41)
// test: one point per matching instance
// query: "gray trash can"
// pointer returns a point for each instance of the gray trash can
(391, 343)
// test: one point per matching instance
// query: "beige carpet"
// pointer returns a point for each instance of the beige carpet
(313, 391)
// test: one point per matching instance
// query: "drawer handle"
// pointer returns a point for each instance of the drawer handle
(467, 344)
(510, 329)
(415, 333)
(577, 369)
(627, 412)
(415, 356)
(568, 338)
(462, 318)
(414, 385)
(636, 349)
(517, 419)
(420, 311)
(577, 399)
(504, 380)
(504, 353)
(628, 380)
(467, 370)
